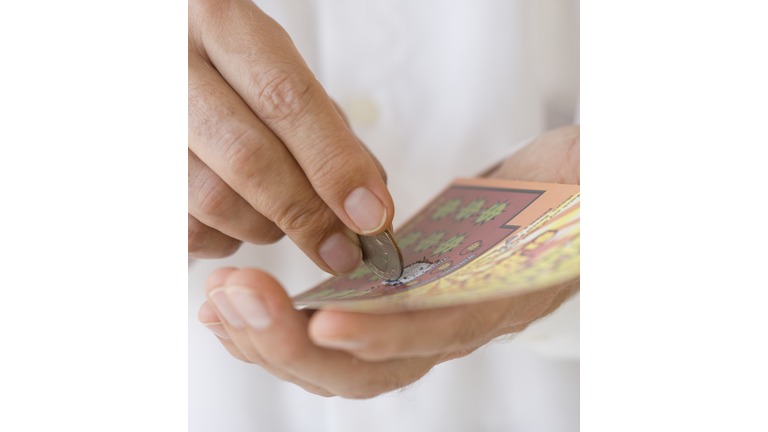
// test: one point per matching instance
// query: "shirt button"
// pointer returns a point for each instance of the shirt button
(362, 111)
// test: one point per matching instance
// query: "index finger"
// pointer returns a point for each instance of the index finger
(265, 69)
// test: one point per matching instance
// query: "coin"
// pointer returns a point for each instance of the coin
(382, 255)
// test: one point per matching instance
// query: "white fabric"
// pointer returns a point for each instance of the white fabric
(437, 90)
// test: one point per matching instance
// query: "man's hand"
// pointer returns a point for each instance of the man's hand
(268, 152)
(357, 355)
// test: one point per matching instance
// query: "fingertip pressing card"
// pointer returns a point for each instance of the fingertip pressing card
(478, 240)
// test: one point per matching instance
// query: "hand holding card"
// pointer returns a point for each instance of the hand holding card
(479, 240)
(359, 355)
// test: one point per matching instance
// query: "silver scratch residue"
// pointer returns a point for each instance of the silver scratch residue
(413, 271)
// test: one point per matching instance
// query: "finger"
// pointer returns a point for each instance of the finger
(258, 305)
(267, 71)
(428, 332)
(379, 166)
(216, 327)
(209, 317)
(215, 204)
(205, 242)
(231, 141)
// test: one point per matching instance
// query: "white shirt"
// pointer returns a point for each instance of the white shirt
(437, 90)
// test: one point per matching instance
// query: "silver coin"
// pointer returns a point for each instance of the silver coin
(382, 255)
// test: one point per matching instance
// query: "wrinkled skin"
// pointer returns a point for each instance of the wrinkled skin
(269, 154)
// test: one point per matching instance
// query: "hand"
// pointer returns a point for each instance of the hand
(268, 152)
(357, 355)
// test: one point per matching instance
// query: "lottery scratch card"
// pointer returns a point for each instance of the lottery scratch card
(478, 240)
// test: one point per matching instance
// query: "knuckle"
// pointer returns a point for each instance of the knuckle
(209, 106)
(229, 248)
(200, 243)
(328, 165)
(269, 235)
(302, 218)
(283, 92)
(213, 199)
(195, 237)
(241, 150)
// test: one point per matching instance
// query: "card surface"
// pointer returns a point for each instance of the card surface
(478, 240)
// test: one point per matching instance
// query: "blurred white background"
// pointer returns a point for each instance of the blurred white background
(93, 128)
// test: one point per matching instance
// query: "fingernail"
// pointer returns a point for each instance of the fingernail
(340, 253)
(223, 305)
(365, 210)
(250, 307)
(348, 345)
(217, 329)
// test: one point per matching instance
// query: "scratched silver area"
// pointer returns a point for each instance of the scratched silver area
(382, 255)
